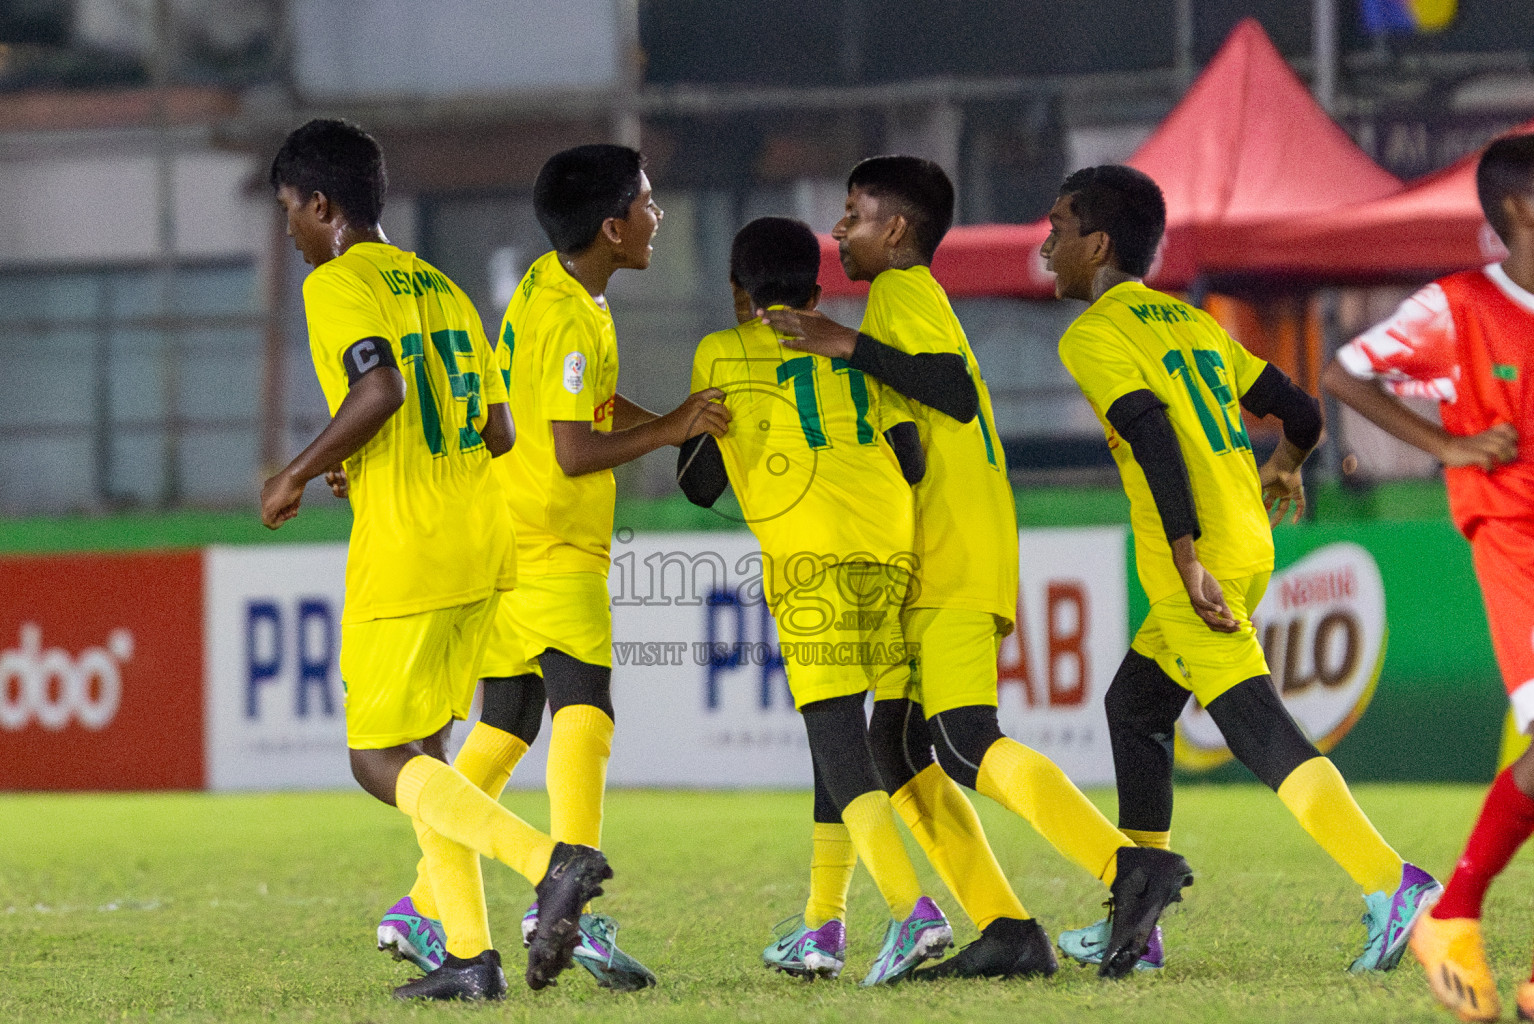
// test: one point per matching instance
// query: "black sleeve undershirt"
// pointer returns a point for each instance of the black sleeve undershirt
(906, 440)
(700, 470)
(1274, 394)
(1140, 418)
(936, 379)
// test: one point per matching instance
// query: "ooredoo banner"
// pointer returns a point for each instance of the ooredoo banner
(101, 672)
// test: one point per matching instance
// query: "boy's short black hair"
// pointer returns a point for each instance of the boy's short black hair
(1126, 205)
(777, 261)
(579, 188)
(920, 188)
(340, 161)
(1506, 169)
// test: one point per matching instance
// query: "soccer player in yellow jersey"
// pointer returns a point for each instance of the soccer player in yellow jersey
(552, 636)
(796, 505)
(811, 440)
(965, 592)
(418, 412)
(1169, 385)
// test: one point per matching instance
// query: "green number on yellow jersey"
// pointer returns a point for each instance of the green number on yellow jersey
(448, 345)
(1211, 370)
(802, 372)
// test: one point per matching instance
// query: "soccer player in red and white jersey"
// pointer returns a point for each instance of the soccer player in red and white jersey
(1467, 340)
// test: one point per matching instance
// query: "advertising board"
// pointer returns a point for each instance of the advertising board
(101, 671)
(275, 712)
(1322, 625)
(699, 690)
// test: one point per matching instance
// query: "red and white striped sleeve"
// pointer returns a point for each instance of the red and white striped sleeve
(1413, 353)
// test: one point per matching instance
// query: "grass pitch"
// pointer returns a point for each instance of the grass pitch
(193, 907)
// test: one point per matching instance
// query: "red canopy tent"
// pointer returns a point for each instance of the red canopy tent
(1246, 145)
(1432, 227)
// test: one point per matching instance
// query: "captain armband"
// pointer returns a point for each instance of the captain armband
(365, 356)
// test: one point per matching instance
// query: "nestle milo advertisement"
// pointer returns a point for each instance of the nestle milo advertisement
(1377, 641)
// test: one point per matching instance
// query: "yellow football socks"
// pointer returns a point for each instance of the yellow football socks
(832, 859)
(1316, 795)
(1027, 783)
(487, 759)
(1142, 837)
(944, 822)
(451, 872)
(436, 794)
(579, 745)
(870, 821)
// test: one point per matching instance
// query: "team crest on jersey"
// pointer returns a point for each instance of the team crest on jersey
(575, 373)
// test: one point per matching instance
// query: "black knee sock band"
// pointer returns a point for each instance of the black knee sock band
(899, 740)
(1260, 731)
(1143, 704)
(961, 738)
(826, 811)
(838, 734)
(514, 705)
(571, 681)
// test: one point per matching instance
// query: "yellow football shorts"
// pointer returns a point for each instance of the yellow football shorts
(568, 611)
(1195, 656)
(955, 659)
(840, 631)
(407, 677)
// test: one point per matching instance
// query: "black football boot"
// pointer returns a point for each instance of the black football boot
(474, 979)
(574, 879)
(1007, 948)
(1148, 881)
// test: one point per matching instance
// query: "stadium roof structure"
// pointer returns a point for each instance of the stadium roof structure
(1246, 146)
(1432, 227)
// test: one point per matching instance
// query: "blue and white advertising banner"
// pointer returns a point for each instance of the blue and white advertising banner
(275, 717)
(699, 691)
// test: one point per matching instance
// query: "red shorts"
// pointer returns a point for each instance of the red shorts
(1503, 550)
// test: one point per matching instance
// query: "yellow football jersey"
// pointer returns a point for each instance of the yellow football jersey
(1135, 338)
(559, 361)
(966, 523)
(430, 528)
(806, 454)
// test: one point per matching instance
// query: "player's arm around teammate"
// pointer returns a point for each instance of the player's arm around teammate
(813, 456)
(1465, 341)
(1168, 384)
(897, 211)
(416, 610)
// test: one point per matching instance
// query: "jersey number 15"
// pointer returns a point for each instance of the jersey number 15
(449, 345)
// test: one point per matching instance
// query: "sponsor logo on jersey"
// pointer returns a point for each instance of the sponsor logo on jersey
(575, 372)
(54, 688)
(1322, 627)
